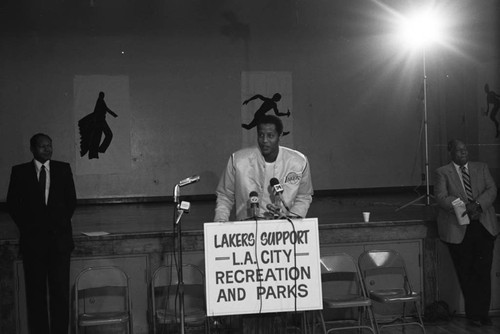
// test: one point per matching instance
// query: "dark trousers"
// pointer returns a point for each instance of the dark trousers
(473, 260)
(47, 267)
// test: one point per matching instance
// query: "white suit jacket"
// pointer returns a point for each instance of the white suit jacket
(246, 171)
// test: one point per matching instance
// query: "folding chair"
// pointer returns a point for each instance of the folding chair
(102, 299)
(386, 280)
(343, 293)
(165, 298)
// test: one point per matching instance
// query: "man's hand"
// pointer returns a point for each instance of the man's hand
(473, 210)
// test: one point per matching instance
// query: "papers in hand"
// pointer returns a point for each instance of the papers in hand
(459, 208)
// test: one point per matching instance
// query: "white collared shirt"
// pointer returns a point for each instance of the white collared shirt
(38, 166)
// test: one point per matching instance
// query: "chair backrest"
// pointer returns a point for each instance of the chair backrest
(383, 269)
(102, 289)
(340, 276)
(167, 275)
(164, 287)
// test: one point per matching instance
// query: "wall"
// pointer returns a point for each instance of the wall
(357, 113)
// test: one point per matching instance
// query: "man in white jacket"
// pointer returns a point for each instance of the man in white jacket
(251, 170)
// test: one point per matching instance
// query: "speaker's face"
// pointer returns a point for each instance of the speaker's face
(268, 139)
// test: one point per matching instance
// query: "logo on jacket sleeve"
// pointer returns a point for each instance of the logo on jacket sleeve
(293, 178)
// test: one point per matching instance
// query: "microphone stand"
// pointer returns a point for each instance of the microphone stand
(280, 215)
(180, 279)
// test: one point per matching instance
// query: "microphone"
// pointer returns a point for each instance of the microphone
(275, 210)
(182, 183)
(182, 208)
(277, 191)
(277, 188)
(189, 180)
(254, 203)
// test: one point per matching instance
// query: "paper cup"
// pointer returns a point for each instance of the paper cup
(366, 217)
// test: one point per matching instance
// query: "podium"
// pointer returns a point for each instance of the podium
(264, 266)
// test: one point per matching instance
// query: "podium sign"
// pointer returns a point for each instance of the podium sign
(263, 266)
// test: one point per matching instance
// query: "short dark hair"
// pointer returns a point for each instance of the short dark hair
(271, 119)
(35, 137)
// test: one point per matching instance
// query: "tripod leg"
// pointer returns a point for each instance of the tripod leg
(427, 202)
(411, 203)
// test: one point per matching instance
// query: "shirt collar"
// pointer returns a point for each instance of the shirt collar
(459, 168)
(261, 157)
(38, 165)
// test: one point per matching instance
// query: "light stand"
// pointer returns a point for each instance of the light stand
(427, 195)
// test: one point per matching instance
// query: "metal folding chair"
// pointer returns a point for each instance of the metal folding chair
(165, 301)
(344, 293)
(102, 299)
(386, 281)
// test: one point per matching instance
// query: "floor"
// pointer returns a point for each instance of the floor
(457, 325)
(158, 216)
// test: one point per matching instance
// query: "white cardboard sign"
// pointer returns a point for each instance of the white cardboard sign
(264, 266)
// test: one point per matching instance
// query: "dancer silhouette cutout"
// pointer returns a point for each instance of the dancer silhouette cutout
(92, 127)
(267, 104)
(494, 99)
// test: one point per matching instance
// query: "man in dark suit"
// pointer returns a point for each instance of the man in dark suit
(41, 200)
(471, 245)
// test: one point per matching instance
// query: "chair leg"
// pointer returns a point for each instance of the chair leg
(304, 327)
(319, 315)
(367, 316)
(417, 307)
(373, 320)
(403, 320)
(361, 315)
(314, 318)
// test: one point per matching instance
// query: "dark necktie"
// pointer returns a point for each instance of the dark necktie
(42, 179)
(467, 186)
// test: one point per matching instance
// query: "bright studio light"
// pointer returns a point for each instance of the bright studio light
(421, 29)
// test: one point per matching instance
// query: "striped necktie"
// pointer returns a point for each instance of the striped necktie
(467, 186)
